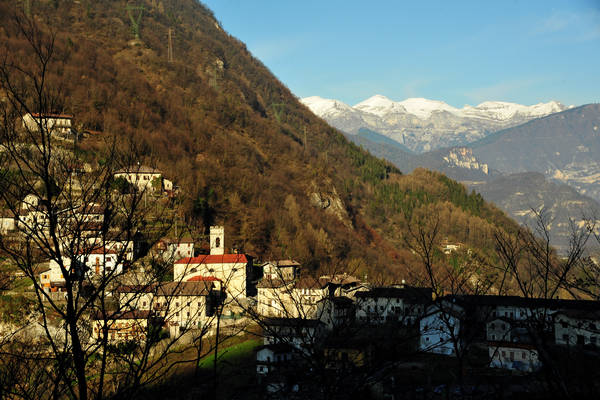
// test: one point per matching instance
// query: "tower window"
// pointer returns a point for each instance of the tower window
(218, 242)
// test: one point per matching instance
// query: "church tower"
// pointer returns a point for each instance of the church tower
(217, 240)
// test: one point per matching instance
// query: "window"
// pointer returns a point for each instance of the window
(493, 337)
(493, 326)
(218, 242)
(503, 327)
(503, 353)
(512, 356)
(565, 337)
(144, 304)
(523, 355)
(563, 324)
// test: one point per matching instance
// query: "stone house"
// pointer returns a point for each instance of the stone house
(121, 326)
(577, 327)
(514, 356)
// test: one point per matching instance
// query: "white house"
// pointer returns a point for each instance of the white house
(143, 177)
(100, 261)
(7, 222)
(514, 356)
(301, 333)
(403, 304)
(577, 327)
(440, 328)
(175, 249)
(53, 123)
(271, 357)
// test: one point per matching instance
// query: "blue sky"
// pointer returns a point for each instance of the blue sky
(460, 52)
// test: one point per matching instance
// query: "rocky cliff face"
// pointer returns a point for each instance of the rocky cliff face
(463, 157)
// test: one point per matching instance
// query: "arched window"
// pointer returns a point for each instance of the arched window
(218, 242)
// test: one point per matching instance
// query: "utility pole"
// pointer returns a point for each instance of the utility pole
(305, 142)
(170, 51)
(135, 22)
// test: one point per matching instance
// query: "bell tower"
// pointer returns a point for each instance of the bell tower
(217, 240)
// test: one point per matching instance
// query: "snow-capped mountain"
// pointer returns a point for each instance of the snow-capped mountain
(423, 124)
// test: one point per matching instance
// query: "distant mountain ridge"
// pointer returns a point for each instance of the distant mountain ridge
(424, 125)
(550, 163)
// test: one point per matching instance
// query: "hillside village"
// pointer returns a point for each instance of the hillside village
(174, 223)
(298, 315)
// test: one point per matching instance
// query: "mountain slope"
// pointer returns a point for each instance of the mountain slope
(244, 151)
(424, 125)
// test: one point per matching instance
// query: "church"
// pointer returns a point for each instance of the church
(233, 270)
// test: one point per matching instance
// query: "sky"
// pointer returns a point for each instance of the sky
(460, 52)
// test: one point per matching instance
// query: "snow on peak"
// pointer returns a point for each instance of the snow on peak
(423, 108)
(323, 107)
(380, 106)
(502, 110)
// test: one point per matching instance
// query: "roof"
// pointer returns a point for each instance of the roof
(52, 115)
(268, 283)
(112, 315)
(136, 288)
(97, 250)
(309, 283)
(407, 292)
(525, 302)
(198, 288)
(177, 240)
(516, 345)
(138, 169)
(215, 259)
(339, 279)
(200, 278)
(589, 315)
(283, 263)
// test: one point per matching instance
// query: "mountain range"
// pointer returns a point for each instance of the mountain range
(542, 157)
(424, 125)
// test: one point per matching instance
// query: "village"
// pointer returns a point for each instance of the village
(213, 289)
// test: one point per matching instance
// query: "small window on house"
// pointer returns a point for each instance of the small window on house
(566, 337)
(218, 242)
(503, 327)
(503, 353)
(177, 304)
(563, 324)
(188, 304)
(177, 314)
(188, 314)
(493, 326)
(523, 355)
(493, 337)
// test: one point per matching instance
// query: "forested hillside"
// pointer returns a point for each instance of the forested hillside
(243, 150)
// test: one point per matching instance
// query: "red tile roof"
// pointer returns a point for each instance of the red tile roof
(52, 115)
(199, 278)
(215, 259)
